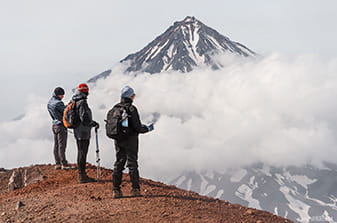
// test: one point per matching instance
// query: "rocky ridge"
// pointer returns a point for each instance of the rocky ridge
(59, 198)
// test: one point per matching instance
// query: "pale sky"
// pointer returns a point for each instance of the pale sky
(45, 44)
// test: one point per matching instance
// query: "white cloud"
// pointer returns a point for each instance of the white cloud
(274, 110)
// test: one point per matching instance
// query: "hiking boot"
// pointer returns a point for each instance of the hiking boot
(83, 178)
(117, 194)
(57, 167)
(67, 167)
(135, 192)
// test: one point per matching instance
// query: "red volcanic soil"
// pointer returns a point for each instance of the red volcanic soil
(59, 198)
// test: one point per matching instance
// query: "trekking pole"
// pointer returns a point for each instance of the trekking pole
(98, 160)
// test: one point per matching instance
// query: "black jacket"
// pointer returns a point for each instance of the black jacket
(136, 127)
(82, 132)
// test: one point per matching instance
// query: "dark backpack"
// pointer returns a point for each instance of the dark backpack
(71, 118)
(113, 123)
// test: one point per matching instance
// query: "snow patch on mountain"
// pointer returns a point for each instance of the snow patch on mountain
(180, 180)
(304, 181)
(238, 175)
(245, 192)
(296, 205)
(219, 194)
(302, 194)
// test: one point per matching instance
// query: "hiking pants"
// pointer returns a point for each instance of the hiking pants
(60, 144)
(82, 151)
(126, 153)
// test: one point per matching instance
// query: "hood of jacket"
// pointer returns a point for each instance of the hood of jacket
(126, 101)
(55, 97)
(79, 96)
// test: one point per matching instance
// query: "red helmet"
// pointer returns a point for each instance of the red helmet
(83, 88)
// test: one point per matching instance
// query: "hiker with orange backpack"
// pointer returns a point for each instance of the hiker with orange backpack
(82, 131)
(55, 108)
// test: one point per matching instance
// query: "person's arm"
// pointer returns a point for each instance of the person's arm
(135, 120)
(58, 111)
(84, 113)
(60, 107)
(50, 110)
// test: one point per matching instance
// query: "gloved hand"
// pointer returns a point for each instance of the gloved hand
(95, 124)
(150, 127)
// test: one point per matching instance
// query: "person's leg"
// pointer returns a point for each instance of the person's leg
(132, 161)
(82, 146)
(62, 143)
(118, 165)
(56, 147)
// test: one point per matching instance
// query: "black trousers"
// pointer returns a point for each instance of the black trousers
(126, 153)
(82, 151)
(60, 144)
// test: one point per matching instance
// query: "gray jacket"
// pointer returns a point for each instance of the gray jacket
(55, 108)
(82, 132)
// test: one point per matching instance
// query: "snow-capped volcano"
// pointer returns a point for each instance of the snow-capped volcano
(182, 46)
(302, 194)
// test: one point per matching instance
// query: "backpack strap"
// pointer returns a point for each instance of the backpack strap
(125, 106)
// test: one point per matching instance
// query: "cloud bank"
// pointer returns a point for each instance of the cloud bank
(275, 110)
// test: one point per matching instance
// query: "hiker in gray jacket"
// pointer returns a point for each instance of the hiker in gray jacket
(82, 132)
(55, 108)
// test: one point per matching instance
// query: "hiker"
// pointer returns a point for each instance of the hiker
(55, 108)
(127, 149)
(82, 131)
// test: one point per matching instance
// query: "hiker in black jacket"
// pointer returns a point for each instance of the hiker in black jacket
(82, 132)
(127, 150)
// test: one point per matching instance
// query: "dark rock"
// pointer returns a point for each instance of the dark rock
(19, 205)
(101, 75)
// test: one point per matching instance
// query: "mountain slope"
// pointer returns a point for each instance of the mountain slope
(59, 198)
(302, 194)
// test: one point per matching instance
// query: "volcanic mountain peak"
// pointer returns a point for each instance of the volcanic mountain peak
(190, 23)
(190, 19)
(183, 46)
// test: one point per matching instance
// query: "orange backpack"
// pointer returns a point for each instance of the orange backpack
(71, 119)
